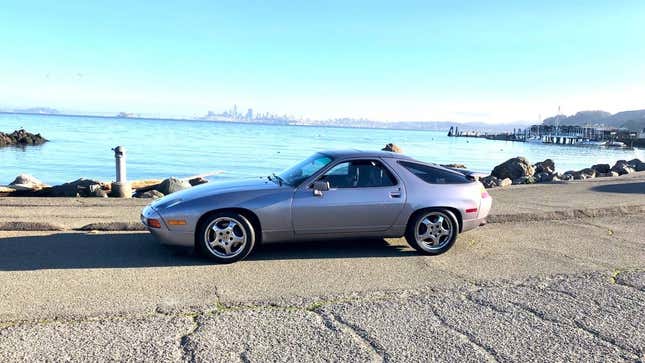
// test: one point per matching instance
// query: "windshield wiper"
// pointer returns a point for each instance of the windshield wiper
(279, 179)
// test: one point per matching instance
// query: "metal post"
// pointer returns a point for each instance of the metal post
(119, 156)
(121, 188)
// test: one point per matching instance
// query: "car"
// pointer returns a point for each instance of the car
(329, 195)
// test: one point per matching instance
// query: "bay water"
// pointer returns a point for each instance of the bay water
(81, 147)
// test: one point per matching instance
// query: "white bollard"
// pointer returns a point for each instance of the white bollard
(119, 156)
(121, 188)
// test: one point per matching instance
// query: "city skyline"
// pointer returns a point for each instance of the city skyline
(477, 61)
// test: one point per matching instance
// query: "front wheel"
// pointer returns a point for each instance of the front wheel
(432, 232)
(225, 237)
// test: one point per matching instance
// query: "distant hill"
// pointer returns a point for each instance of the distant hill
(633, 120)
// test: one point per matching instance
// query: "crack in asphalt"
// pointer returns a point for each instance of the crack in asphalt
(615, 279)
(489, 353)
(577, 325)
(543, 317)
(187, 354)
(336, 323)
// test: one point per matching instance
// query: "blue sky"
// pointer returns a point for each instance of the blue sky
(406, 60)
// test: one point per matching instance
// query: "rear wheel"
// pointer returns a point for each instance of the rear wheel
(225, 237)
(433, 231)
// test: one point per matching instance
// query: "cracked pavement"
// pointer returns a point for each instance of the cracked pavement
(571, 289)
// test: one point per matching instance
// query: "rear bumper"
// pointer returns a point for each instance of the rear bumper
(473, 223)
(163, 234)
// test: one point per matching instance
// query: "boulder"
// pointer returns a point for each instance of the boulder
(197, 181)
(568, 175)
(490, 181)
(505, 182)
(77, 188)
(587, 173)
(172, 185)
(637, 165)
(27, 182)
(544, 177)
(392, 148)
(546, 166)
(525, 180)
(601, 168)
(513, 169)
(154, 194)
(622, 167)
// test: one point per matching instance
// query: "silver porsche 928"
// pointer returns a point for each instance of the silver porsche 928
(331, 194)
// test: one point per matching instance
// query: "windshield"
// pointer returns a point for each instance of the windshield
(304, 169)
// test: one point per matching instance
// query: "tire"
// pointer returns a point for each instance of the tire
(427, 223)
(222, 242)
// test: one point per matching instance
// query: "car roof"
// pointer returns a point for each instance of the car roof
(355, 153)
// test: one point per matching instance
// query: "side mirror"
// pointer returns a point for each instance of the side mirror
(320, 186)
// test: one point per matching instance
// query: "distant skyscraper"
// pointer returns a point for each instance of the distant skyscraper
(249, 114)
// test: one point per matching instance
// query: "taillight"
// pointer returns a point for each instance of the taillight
(153, 223)
(484, 193)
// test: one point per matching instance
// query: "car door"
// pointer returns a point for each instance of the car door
(364, 196)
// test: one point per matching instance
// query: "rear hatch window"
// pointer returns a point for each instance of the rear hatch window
(435, 175)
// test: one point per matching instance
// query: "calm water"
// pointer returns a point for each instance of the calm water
(81, 147)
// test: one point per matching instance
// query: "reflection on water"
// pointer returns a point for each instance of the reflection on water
(81, 147)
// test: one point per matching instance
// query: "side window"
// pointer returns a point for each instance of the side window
(359, 174)
(434, 175)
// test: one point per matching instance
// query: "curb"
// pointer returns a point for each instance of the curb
(29, 226)
(113, 226)
(568, 214)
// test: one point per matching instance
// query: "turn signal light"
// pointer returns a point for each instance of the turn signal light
(176, 222)
(154, 223)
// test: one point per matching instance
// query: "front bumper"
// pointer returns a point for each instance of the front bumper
(163, 234)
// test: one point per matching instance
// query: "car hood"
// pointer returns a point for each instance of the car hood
(215, 188)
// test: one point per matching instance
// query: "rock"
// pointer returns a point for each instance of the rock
(490, 181)
(601, 168)
(454, 166)
(505, 182)
(99, 193)
(80, 187)
(27, 182)
(567, 175)
(546, 166)
(21, 138)
(637, 165)
(392, 148)
(197, 181)
(154, 194)
(514, 168)
(622, 167)
(172, 185)
(587, 173)
(544, 177)
(4, 189)
(525, 180)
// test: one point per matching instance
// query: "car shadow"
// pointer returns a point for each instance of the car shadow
(625, 188)
(130, 250)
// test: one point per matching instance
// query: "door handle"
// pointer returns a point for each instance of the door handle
(395, 194)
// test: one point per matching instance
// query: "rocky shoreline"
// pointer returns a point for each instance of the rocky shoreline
(519, 170)
(21, 138)
(514, 171)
